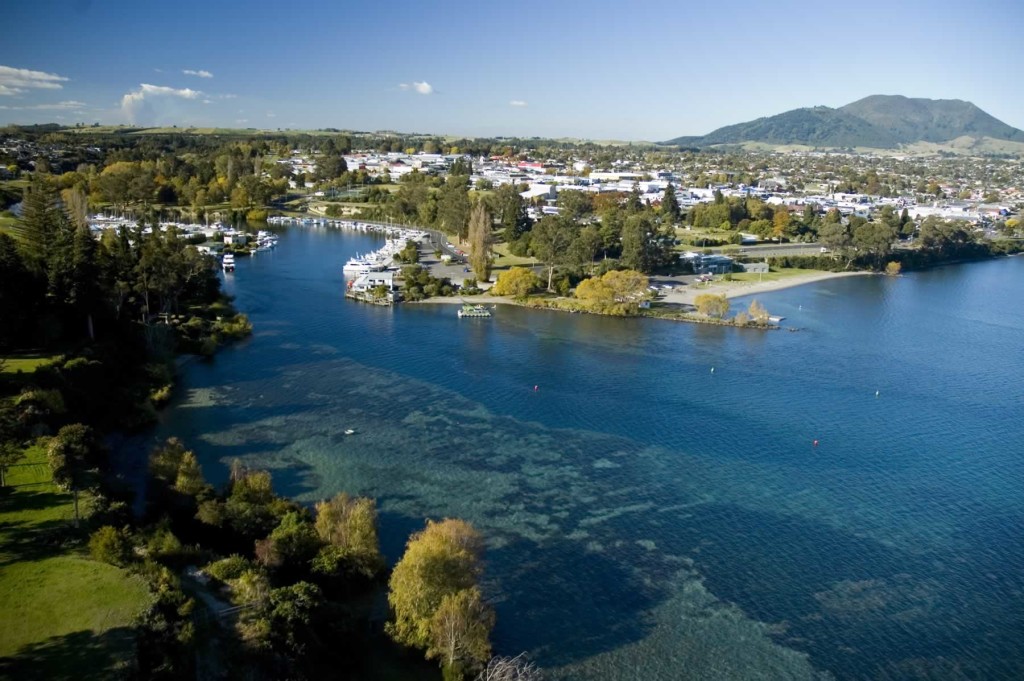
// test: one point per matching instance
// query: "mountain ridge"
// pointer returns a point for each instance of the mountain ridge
(876, 121)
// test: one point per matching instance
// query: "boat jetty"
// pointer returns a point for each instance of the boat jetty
(371, 276)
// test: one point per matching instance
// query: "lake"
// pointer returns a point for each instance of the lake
(647, 517)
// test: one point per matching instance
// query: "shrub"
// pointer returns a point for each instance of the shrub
(893, 268)
(110, 545)
(232, 567)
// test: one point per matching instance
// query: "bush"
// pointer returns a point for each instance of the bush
(110, 545)
(893, 268)
(232, 567)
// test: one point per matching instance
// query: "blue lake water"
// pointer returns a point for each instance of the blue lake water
(648, 518)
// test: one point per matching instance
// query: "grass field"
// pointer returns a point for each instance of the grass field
(774, 275)
(12, 364)
(503, 259)
(63, 616)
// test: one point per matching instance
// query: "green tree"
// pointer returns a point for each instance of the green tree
(110, 545)
(510, 210)
(72, 453)
(574, 204)
(670, 205)
(453, 206)
(550, 240)
(10, 453)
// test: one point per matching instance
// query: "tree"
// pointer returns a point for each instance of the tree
(453, 206)
(10, 453)
(510, 210)
(712, 305)
(641, 244)
(440, 561)
(550, 240)
(110, 545)
(350, 524)
(481, 257)
(460, 629)
(585, 246)
(780, 222)
(574, 204)
(72, 453)
(670, 205)
(517, 668)
(758, 312)
(517, 282)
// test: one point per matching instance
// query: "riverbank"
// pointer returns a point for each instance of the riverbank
(681, 293)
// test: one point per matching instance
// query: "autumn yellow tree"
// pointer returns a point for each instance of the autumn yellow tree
(348, 525)
(517, 282)
(435, 600)
(758, 312)
(712, 305)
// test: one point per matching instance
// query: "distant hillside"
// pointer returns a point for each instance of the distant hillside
(929, 120)
(878, 121)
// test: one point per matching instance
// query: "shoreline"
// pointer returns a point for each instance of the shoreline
(678, 296)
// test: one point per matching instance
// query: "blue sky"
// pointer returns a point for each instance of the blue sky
(602, 70)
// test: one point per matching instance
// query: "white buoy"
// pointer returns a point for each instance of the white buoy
(877, 393)
(712, 369)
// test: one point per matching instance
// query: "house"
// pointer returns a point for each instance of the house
(371, 280)
(708, 264)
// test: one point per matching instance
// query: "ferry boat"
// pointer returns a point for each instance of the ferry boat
(474, 311)
(228, 263)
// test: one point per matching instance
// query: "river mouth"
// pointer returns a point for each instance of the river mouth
(645, 515)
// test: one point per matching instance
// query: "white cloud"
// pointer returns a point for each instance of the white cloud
(271, 114)
(228, 96)
(517, 102)
(138, 105)
(15, 81)
(201, 73)
(69, 105)
(423, 88)
(207, 101)
(241, 120)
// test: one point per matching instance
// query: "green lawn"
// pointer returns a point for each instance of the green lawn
(503, 259)
(774, 275)
(12, 364)
(63, 616)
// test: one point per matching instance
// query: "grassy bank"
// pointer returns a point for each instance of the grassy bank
(64, 616)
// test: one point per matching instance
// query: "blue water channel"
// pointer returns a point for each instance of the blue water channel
(647, 517)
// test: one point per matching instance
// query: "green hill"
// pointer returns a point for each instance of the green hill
(878, 121)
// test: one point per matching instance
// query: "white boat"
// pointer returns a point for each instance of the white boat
(228, 262)
(350, 431)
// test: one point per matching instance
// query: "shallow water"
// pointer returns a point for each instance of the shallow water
(647, 517)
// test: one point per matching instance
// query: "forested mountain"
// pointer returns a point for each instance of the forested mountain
(878, 121)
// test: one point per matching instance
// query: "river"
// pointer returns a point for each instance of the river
(648, 517)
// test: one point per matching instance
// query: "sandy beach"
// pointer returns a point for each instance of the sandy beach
(682, 293)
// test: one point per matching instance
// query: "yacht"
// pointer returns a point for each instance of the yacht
(228, 263)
